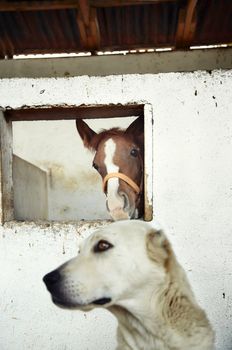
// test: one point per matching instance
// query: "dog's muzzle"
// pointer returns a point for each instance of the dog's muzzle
(53, 281)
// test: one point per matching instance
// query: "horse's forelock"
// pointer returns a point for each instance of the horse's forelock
(105, 135)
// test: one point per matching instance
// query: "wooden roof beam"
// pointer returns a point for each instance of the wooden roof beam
(68, 4)
(88, 26)
(116, 3)
(186, 26)
(37, 5)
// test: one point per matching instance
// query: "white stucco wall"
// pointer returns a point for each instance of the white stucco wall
(28, 318)
(192, 199)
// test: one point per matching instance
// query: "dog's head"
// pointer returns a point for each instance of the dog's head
(114, 264)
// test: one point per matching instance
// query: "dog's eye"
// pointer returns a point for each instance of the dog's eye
(95, 166)
(102, 246)
(134, 152)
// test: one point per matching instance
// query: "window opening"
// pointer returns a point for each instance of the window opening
(51, 172)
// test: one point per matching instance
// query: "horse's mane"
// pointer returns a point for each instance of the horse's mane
(104, 135)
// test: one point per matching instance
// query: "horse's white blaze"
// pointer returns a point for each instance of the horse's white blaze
(114, 200)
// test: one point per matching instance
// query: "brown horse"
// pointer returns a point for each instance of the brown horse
(119, 158)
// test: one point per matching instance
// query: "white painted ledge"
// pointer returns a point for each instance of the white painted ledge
(177, 61)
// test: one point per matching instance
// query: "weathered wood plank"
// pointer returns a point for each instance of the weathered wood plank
(37, 5)
(148, 162)
(116, 3)
(88, 26)
(186, 25)
(87, 112)
(190, 22)
(6, 181)
(69, 4)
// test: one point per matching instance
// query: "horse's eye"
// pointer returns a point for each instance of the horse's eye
(134, 152)
(95, 166)
(102, 246)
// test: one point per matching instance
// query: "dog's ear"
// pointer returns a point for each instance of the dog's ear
(158, 247)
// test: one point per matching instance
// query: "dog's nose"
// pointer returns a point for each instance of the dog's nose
(51, 278)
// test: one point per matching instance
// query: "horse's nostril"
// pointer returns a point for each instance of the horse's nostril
(121, 202)
(125, 200)
(107, 206)
(52, 278)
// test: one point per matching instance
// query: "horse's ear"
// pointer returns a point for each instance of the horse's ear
(136, 129)
(85, 132)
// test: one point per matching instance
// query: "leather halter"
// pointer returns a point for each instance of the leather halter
(123, 177)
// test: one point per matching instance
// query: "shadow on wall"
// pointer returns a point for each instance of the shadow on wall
(30, 191)
(37, 189)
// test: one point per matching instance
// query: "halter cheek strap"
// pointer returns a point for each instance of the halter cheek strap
(123, 177)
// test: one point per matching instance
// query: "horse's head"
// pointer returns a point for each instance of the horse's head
(119, 160)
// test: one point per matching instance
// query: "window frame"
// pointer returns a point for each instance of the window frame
(67, 113)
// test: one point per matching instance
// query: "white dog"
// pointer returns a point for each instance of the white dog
(129, 268)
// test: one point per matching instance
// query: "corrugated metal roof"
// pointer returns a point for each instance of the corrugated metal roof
(138, 26)
(214, 22)
(39, 32)
(55, 26)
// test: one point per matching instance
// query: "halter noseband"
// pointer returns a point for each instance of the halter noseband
(123, 177)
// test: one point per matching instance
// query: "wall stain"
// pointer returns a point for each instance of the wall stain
(215, 101)
(58, 177)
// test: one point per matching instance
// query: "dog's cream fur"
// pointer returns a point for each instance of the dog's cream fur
(147, 289)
